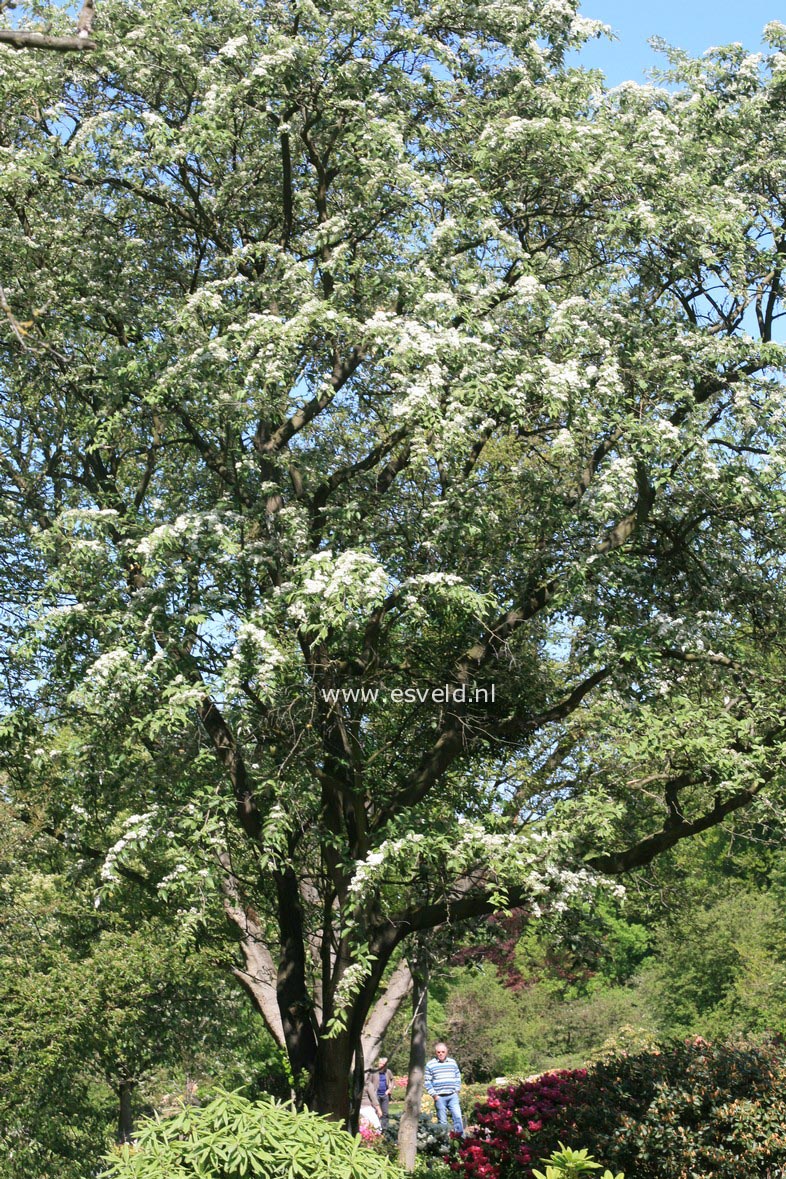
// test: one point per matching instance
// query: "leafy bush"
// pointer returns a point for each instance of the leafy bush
(429, 1167)
(232, 1137)
(482, 1021)
(432, 1141)
(719, 967)
(709, 1109)
(565, 1163)
(686, 1108)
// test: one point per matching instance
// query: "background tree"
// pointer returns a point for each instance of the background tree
(290, 291)
(104, 1012)
(718, 957)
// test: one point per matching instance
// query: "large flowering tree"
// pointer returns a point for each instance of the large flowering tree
(356, 357)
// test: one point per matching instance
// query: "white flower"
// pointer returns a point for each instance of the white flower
(230, 49)
(108, 665)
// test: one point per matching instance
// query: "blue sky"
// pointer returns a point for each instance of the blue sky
(693, 25)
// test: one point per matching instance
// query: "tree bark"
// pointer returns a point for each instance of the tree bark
(303, 1047)
(408, 1126)
(125, 1123)
(395, 993)
(259, 977)
(329, 1091)
(27, 39)
(358, 1086)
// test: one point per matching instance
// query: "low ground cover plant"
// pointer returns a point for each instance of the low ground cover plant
(681, 1109)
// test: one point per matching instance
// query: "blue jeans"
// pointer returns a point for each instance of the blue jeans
(449, 1102)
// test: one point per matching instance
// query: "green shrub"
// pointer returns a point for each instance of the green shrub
(565, 1163)
(690, 1108)
(433, 1139)
(684, 1109)
(234, 1138)
(429, 1167)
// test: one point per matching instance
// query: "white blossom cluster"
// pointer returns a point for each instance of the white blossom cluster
(351, 981)
(333, 590)
(390, 855)
(137, 829)
(189, 533)
(255, 656)
(108, 668)
(531, 860)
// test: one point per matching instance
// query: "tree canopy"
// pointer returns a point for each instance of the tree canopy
(392, 453)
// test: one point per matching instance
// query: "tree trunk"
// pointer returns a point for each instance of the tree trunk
(389, 1002)
(358, 1085)
(259, 977)
(408, 1126)
(125, 1124)
(329, 1092)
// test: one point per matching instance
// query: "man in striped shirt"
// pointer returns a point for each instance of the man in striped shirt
(443, 1082)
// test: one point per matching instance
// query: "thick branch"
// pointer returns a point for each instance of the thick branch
(276, 442)
(473, 897)
(26, 39)
(291, 987)
(388, 1004)
(229, 756)
(213, 458)
(345, 474)
(558, 711)
(286, 184)
(259, 977)
(675, 829)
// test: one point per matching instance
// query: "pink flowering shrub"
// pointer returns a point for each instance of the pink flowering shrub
(501, 1145)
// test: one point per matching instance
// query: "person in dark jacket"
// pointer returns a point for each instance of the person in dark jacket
(384, 1086)
(370, 1110)
(376, 1091)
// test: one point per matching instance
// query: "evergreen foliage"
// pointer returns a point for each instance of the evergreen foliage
(688, 1107)
(232, 1137)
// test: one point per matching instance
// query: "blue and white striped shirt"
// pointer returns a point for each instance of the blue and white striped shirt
(442, 1077)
